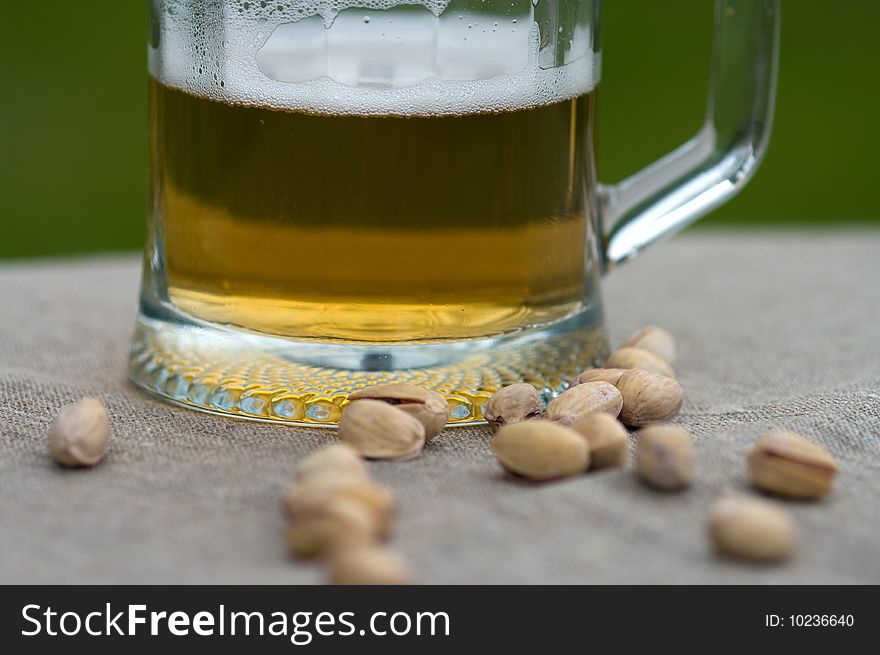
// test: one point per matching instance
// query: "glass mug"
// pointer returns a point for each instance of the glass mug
(349, 192)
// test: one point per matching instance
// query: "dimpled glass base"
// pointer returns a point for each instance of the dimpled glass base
(224, 371)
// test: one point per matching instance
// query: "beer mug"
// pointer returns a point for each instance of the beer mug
(351, 192)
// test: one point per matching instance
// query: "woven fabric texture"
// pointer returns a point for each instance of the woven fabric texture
(774, 330)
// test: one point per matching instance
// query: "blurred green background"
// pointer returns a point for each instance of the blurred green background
(73, 115)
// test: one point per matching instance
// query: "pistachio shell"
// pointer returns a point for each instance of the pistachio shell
(575, 403)
(78, 435)
(655, 340)
(429, 407)
(340, 523)
(378, 430)
(312, 495)
(750, 528)
(787, 464)
(607, 438)
(637, 358)
(336, 457)
(610, 375)
(648, 397)
(513, 404)
(665, 457)
(541, 450)
(368, 565)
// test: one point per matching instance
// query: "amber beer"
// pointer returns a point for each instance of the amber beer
(372, 228)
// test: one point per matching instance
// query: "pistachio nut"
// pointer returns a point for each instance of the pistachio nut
(340, 523)
(340, 458)
(378, 430)
(368, 564)
(648, 397)
(578, 401)
(610, 375)
(637, 358)
(655, 340)
(541, 450)
(787, 464)
(607, 438)
(513, 404)
(311, 496)
(429, 407)
(78, 435)
(750, 528)
(665, 457)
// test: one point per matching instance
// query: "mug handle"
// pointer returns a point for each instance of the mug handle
(700, 175)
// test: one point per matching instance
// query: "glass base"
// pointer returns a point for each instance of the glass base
(246, 375)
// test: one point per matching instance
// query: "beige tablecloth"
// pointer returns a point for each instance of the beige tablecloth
(774, 329)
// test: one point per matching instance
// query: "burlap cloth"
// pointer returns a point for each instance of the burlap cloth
(774, 329)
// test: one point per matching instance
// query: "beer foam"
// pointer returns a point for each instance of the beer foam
(378, 58)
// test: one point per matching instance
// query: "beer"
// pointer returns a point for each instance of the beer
(372, 228)
(370, 177)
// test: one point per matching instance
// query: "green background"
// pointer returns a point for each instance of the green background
(73, 115)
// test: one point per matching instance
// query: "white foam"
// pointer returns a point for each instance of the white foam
(324, 57)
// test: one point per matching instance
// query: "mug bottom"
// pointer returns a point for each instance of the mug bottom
(219, 370)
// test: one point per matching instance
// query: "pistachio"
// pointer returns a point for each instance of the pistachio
(429, 407)
(607, 438)
(575, 403)
(655, 340)
(787, 464)
(637, 358)
(541, 450)
(338, 457)
(514, 404)
(665, 457)
(378, 430)
(339, 523)
(750, 528)
(78, 435)
(610, 375)
(368, 565)
(648, 397)
(309, 497)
